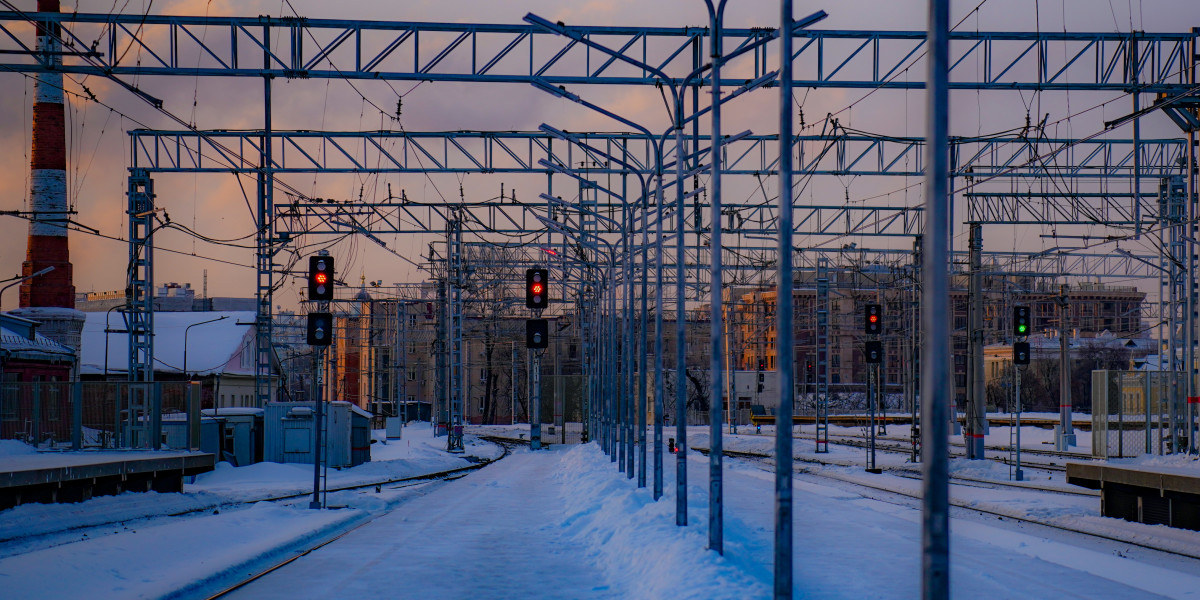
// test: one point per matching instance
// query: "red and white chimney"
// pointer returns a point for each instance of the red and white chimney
(49, 298)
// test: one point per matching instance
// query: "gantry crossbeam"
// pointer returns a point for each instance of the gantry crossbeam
(222, 151)
(97, 44)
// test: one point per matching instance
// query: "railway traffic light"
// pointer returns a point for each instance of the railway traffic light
(874, 351)
(320, 278)
(873, 318)
(537, 333)
(536, 288)
(1021, 353)
(320, 329)
(1021, 320)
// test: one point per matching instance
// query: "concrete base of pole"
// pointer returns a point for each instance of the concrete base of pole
(976, 448)
(1063, 441)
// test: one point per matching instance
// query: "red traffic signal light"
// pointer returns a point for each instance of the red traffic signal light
(873, 318)
(536, 288)
(320, 278)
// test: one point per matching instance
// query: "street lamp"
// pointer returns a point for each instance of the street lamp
(22, 280)
(107, 330)
(186, 331)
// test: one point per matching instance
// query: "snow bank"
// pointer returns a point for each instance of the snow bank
(634, 539)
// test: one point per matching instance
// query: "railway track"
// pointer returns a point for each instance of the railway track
(406, 482)
(902, 446)
(972, 505)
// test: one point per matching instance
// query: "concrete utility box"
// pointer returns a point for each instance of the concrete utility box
(395, 428)
(289, 433)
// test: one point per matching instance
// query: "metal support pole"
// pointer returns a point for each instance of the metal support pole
(512, 379)
(560, 402)
(1066, 429)
(612, 397)
(785, 339)
(628, 345)
(658, 346)
(264, 251)
(535, 423)
(976, 416)
(872, 375)
(319, 382)
(680, 331)
(643, 338)
(716, 493)
(914, 346)
(1190, 321)
(935, 306)
(1017, 473)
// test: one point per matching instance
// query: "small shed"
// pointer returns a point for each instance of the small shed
(290, 433)
(242, 434)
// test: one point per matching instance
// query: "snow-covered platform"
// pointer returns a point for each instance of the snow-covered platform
(1151, 494)
(900, 418)
(77, 476)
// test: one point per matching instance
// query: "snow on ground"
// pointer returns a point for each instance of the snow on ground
(565, 523)
(417, 453)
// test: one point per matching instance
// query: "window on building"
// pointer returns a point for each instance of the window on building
(412, 320)
(412, 375)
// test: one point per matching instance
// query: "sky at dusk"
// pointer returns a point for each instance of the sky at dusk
(218, 206)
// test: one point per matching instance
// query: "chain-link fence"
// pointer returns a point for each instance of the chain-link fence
(1131, 415)
(106, 415)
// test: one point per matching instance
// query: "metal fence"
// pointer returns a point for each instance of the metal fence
(106, 415)
(1131, 414)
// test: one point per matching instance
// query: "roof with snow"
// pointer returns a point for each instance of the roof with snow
(19, 339)
(215, 344)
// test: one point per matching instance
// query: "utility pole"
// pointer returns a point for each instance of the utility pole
(1066, 429)
(913, 355)
(512, 384)
(935, 294)
(784, 514)
(976, 417)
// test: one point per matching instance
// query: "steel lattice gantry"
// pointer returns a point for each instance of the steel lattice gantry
(298, 47)
(269, 48)
(225, 151)
(1004, 160)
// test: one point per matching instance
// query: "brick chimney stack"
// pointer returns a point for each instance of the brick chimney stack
(48, 192)
(49, 298)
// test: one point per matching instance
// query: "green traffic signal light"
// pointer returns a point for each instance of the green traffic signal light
(1021, 319)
